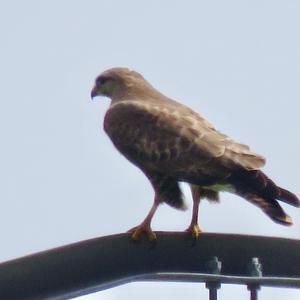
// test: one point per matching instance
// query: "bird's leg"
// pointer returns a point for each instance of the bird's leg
(194, 227)
(145, 226)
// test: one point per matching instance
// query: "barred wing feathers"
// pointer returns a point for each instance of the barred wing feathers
(169, 135)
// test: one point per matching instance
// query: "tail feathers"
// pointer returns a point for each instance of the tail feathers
(258, 183)
(271, 208)
(259, 189)
(273, 191)
(288, 197)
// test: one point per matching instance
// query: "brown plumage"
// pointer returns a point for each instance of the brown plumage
(171, 143)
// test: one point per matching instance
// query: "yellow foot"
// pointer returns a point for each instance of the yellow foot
(194, 229)
(136, 232)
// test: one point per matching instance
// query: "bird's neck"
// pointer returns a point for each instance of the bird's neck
(136, 93)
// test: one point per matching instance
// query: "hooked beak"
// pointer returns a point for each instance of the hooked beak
(94, 92)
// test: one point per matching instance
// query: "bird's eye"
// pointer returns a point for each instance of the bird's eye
(101, 80)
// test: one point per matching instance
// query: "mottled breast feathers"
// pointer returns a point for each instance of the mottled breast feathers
(169, 135)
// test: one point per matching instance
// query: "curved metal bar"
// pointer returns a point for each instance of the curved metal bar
(224, 279)
(101, 263)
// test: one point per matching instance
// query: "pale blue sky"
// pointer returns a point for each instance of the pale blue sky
(236, 62)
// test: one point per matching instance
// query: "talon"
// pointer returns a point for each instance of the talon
(136, 232)
(194, 229)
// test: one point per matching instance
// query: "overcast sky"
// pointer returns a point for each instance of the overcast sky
(236, 62)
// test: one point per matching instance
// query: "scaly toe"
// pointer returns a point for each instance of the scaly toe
(151, 235)
(138, 230)
(194, 229)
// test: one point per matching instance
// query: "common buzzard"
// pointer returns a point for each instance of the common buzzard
(171, 143)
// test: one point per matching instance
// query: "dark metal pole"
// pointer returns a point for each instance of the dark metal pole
(253, 291)
(213, 266)
(213, 289)
(255, 269)
(253, 294)
(101, 263)
(213, 294)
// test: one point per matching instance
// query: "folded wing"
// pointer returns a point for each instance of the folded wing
(171, 136)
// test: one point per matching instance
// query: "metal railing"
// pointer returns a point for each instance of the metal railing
(101, 263)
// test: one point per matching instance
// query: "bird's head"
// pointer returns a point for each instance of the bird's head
(120, 83)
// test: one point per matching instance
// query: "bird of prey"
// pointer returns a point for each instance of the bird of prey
(171, 143)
